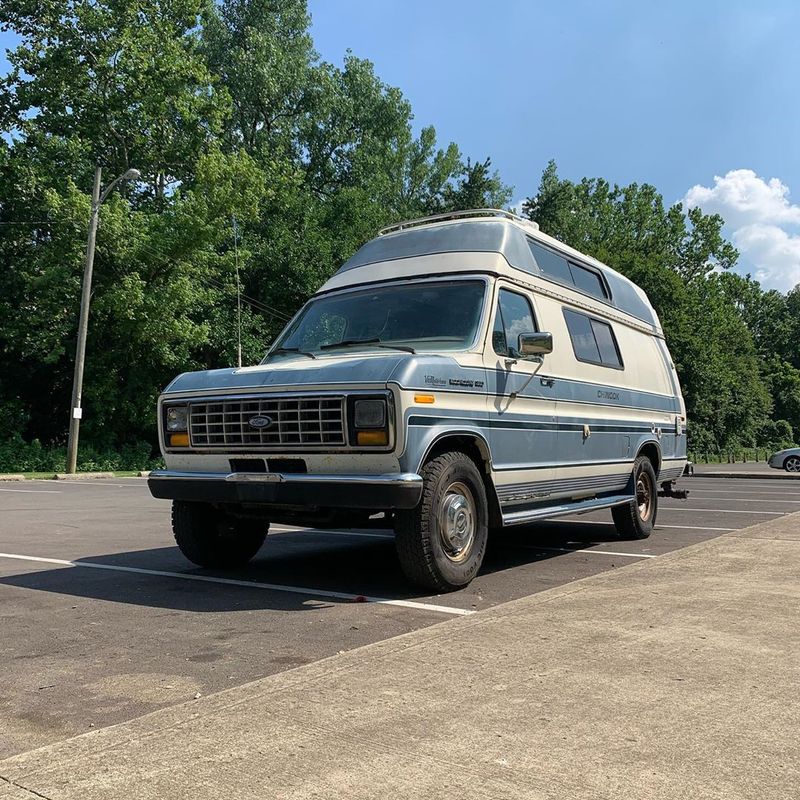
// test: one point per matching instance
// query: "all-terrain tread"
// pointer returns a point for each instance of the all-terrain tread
(626, 517)
(412, 537)
(195, 527)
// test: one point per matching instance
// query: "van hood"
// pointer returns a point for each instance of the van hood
(289, 373)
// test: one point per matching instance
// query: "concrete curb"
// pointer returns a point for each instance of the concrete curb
(12, 477)
(78, 476)
(143, 473)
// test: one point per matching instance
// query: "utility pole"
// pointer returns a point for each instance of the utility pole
(83, 320)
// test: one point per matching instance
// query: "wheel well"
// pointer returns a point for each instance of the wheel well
(477, 449)
(653, 453)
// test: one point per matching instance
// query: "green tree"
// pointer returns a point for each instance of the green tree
(260, 163)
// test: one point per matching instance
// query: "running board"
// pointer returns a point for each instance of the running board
(531, 515)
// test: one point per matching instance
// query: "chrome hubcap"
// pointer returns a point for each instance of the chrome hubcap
(644, 496)
(457, 522)
(793, 465)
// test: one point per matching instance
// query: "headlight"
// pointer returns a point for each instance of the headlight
(177, 418)
(370, 414)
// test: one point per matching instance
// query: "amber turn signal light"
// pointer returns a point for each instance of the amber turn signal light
(179, 440)
(424, 398)
(372, 437)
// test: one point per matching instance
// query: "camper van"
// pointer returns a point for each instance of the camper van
(459, 374)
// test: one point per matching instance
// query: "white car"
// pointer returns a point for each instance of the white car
(786, 459)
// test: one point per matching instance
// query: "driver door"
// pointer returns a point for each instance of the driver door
(522, 405)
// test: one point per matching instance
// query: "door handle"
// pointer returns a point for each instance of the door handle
(546, 381)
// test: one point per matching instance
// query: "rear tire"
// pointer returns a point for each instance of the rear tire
(792, 464)
(636, 520)
(441, 543)
(209, 538)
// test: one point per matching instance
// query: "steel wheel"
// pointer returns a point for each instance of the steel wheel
(457, 520)
(644, 496)
(792, 464)
(441, 542)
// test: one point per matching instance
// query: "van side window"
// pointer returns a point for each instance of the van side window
(557, 267)
(593, 341)
(514, 316)
(551, 263)
(589, 281)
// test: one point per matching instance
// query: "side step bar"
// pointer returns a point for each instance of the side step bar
(531, 515)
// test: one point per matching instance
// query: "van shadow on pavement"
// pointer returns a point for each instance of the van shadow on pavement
(314, 560)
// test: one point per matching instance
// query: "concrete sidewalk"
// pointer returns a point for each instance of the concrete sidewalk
(676, 677)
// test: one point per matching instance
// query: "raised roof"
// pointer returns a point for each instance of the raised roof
(491, 231)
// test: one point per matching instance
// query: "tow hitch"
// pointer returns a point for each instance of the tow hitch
(668, 490)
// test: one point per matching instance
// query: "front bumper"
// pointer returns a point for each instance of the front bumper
(379, 492)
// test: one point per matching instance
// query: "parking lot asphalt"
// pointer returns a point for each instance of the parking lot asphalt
(103, 620)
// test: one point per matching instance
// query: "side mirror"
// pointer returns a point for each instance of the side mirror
(535, 344)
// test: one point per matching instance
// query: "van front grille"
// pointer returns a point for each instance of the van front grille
(268, 422)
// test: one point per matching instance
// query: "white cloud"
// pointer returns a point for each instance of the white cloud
(757, 214)
(773, 253)
(517, 207)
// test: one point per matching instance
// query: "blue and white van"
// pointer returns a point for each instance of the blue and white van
(458, 374)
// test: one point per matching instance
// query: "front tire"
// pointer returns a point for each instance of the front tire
(792, 464)
(209, 538)
(441, 543)
(636, 520)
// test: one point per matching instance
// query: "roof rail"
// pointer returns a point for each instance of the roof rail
(472, 212)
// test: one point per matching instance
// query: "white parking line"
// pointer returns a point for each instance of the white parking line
(592, 552)
(659, 526)
(273, 587)
(287, 529)
(749, 484)
(701, 490)
(776, 499)
(68, 482)
(696, 510)
(32, 491)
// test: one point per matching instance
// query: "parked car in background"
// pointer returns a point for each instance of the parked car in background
(457, 375)
(788, 459)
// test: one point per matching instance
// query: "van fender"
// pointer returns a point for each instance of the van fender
(435, 437)
(453, 433)
(647, 446)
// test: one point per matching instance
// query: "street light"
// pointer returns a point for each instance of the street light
(86, 294)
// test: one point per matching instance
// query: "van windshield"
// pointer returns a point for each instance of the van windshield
(413, 316)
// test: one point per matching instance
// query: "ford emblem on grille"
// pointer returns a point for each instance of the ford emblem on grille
(259, 422)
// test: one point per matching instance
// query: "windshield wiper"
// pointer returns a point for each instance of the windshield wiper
(291, 350)
(374, 341)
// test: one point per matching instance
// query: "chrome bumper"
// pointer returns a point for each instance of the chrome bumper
(379, 492)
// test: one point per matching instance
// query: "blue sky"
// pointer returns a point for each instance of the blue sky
(699, 98)
(672, 93)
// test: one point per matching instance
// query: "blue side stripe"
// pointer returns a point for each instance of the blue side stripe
(521, 424)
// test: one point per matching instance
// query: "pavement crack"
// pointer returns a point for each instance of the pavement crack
(24, 788)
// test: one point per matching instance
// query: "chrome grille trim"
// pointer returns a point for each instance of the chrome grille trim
(297, 421)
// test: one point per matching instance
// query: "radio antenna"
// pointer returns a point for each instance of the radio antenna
(238, 293)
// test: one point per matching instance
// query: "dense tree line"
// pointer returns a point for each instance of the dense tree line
(260, 160)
